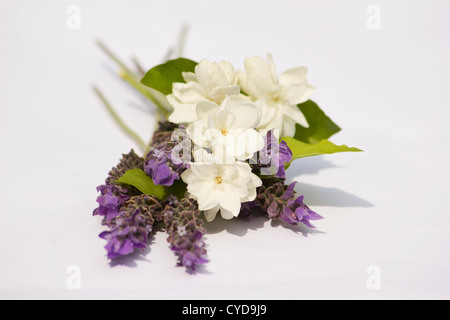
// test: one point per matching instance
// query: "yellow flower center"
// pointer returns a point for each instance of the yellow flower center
(218, 180)
(275, 96)
(224, 132)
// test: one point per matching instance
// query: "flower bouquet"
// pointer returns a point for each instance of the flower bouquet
(224, 140)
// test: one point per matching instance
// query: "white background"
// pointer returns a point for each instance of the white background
(387, 89)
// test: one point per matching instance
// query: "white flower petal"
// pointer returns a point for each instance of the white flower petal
(223, 119)
(207, 195)
(270, 114)
(295, 94)
(189, 76)
(187, 176)
(244, 177)
(252, 184)
(276, 123)
(252, 192)
(272, 68)
(211, 81)
(294, 113)
(247, 116)
(256, 181)
(234, 90)
(242, 81)
(247, 143)
(227, 215)
(204, 171)
(195, 131)
(231, 204)
(204, 108)
(182, 113)
(206, 202)
(210, 76)
(228, 70)
(259, 77)
(190, 92)
(211, 214)
(293, 76)
(288, 127)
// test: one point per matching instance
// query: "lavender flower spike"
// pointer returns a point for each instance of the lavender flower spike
(280, 202)
(111, 199)
(161, 167)
(129, 231)
(273, 157)
(185, 233)
(297, 211)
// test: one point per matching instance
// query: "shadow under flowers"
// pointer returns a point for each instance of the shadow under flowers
(323, 196)
(241, 225)
(310, 165)
(237, 226)
(330, 197)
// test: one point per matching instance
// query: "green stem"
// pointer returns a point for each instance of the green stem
(113, 57)
(182, 40)
(133, 135)
(133, 79)
(138, 67)
(144, 91)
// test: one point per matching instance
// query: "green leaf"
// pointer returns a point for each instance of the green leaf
(141, 181)
(320, 125)
(161, 77)
(302, 150)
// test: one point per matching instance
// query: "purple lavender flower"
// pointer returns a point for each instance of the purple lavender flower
(292, 209)
(111, 199)
(185, 233)
(123, 241)
(162, 167)
(280, 202)
(112, 195)
(273, 157)
(191, 260)
(130, 229)
(166, 160)
(247, 208)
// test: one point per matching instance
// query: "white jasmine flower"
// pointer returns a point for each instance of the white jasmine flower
(277, 96)
(211, 81)
(228, 129)
(221, 187)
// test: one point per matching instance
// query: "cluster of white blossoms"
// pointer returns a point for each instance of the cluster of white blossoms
(225, 112)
